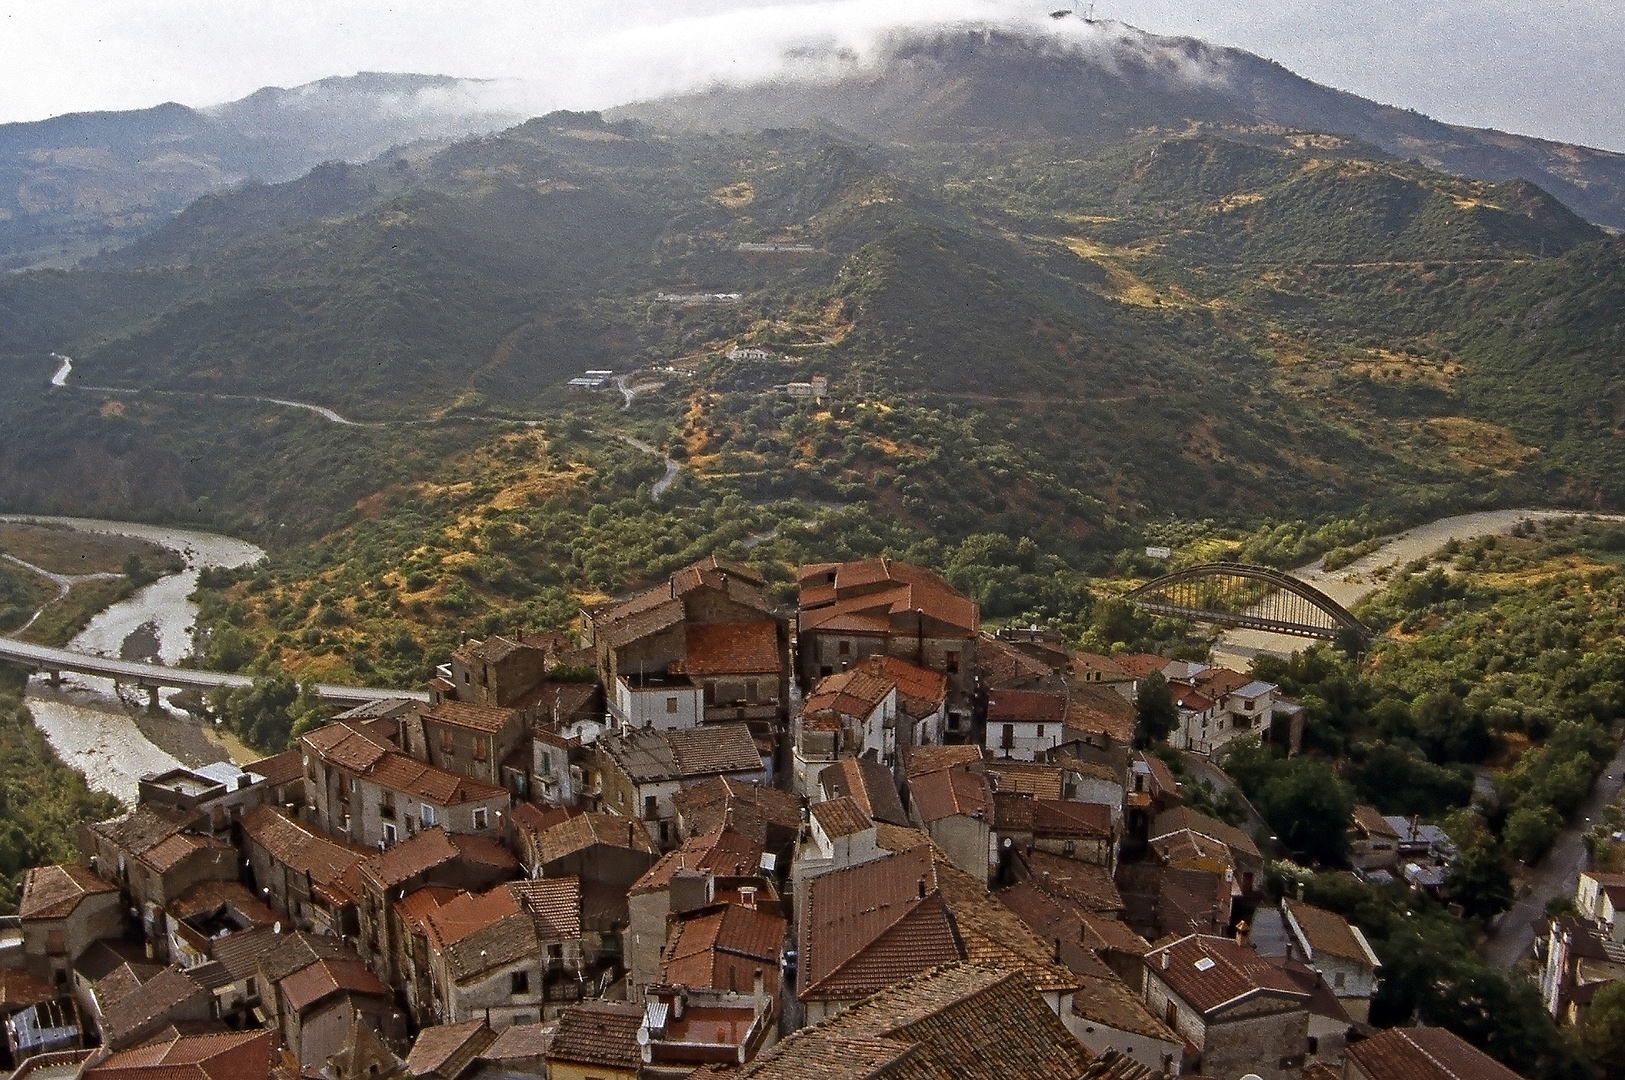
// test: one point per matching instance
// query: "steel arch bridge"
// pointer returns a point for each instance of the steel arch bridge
(1251, 597)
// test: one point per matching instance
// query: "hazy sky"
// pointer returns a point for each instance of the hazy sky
(1552, 69)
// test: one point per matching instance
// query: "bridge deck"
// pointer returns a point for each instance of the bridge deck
(46, 658)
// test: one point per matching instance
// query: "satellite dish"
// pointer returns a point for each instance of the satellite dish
(643, 1036)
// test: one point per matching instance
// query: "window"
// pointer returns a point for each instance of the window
(253, 987)
(547, 764)
(519, 982)
(651, 808)
(386, 806)
(389, 833)
(845, 649)
(950, 661)
(1338, 979)
(1040, 731)
(752, 689)
(55, 943)
(671, 704)
(1007, 739)
(479, 817)
(825, 669)
(428, 815)
(1248, 706)
(479, 748)
(445, 741)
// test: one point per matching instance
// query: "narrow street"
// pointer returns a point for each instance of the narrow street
(1555, 875)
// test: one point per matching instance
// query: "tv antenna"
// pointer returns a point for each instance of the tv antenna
(1084, 11)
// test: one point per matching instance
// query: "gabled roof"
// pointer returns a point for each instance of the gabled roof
(1009, 776)
(1100, 710)
(444, 1051)
(127, 1017)
(955, 1022)
(482, 718)
(1106, 1000)
(1025, 707)
(841, 817)
(1171, 821)
(722, 948)
(950, 792)
(1061, 818)
(467, 914)
(1326, 933)
(855, 692)
(19, 989)
(920, 691)
(1208, 973)
(53, 892)
(280, 955)
(1087, 885)
(1432, 1053)
(415, 855)
(279, 769)
(554, 906)
(1218, 682)
(884, 589)
(742, 806)
(601, 1033)
(428, 782)
(589, 830)
(724, 851)
(929, 759)
(1372, 823)
(321, 980)
(330, 864)
(869, 784)
(144, 828)
(714, 749)
(244, 1055)
(750, 648)
(1139, 665)
(864, 927)
(993, 936)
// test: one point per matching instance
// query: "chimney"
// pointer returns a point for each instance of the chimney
(758, 993)
(922, 888)
(1300, 892)
(1165, 959)
(1242, 932)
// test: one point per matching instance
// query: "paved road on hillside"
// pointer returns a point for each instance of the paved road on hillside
(1554, 875)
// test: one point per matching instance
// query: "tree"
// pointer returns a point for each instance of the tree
(1478, 880)
(1155, 714)
(1309, 807)
(1604, 1032)
(1529, 831)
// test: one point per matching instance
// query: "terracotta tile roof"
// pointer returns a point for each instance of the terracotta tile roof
(520, 1041)
(724, 851)
(731, 649)
(1026, 777)
(1003, 666)
(601, 1033)
(468, 913)
(279, 769)
(1060, 818)
(723, 949)
(1100, 710)
(744, 807)
(1327, 933)
(1209, 972)
(169, 852)
(713, 749)
(415, 906)
(244, 1055)
(1114, 934)
(444, 1051)
(1106, 1000)
(880, 586)
(1373, 823)
(640, 617)
(428, 783)
(144, 828)
(53, 892)
(995, 937)
(869, 784)
(19, 989)
(528, 817)
(471, 717)
(854, 692)
(210, 896)
(554, 906)
(318, 981)
(1432, 1053)
(955, 1022)
(896, 838)
(1086, 885)
(1162, 779)
(949, 792)
(920, 691)
(1110, 669)
(1025, 706)
(349, 744)
(929, 759)
(329, 863)
(280, 955)
(866, 926)
(485, 851)
(589, 830)
(841, 817)
(1218, 682)
(1139, 665)
(415, 855)
(1180, 818)
(130, 1016)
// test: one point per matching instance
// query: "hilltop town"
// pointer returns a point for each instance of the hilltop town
(714, 837)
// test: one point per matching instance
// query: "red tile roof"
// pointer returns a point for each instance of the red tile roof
(920, 691)
(324, 978)
(589, 830)
(748, 808)
(950, 792)
(866, 926)
(841, 817)
(444, 1051)
(469, 716)
(1172, 821)
(1432, 1053)
(413, 856)
(242, 1055)
(414, 908)
(869, 784)
(554, 906)
(724, 851)
(1209, 972)
(722, 949)
(1086, 885)
(886, 588)
(279, 769)
(732, 649)
(1139, 665)
(330, 864)
(466, 914)
(426, 782)
(1060, 818)
(53, 892)
(19, 989)
(1025, 706)
(1328, 933)
(855, 692)
(600, 1033)
(929, 759)
(1100, 710)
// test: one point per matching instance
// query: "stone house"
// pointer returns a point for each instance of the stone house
(64, 909)
(1238, 1011)
(1325, 942)
(450, 1051)
(306, 876)
(362, 789)
(319, 1003)
(851, 714)
(170, 997)
(219, 793)
(1373, 842)
(1181, 837)
(597, 1040)
(851, 611)
(922, 700)
(467, 739)
(610, 850)
(1025, 724)
(510, 955)
(642, 769)
(708, 645)
(497, 672)
(153, 855)
(284, 778)
(1072, 830)
(955, 808)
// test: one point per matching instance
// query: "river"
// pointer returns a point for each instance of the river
(1359, 579)
(111, 741)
